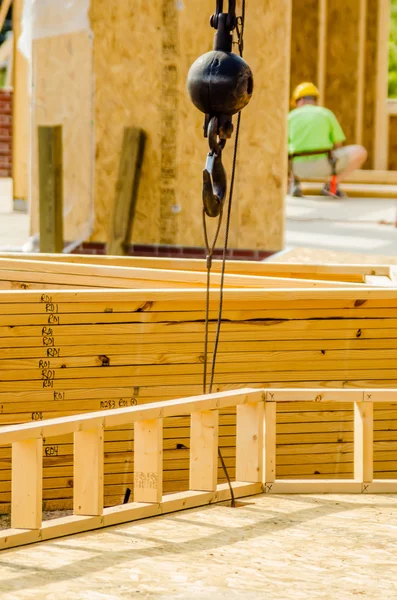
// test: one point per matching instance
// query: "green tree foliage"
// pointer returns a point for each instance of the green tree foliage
(393, 51)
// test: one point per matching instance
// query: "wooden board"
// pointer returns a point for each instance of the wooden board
(67, 352)
(304, 36)
(63, 95)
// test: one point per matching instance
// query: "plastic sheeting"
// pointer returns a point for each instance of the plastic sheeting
(56, 33)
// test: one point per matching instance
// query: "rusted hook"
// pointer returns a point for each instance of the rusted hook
(214, 174)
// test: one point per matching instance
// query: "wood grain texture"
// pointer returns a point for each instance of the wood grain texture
(304, 41)
(342, 48)
(67, 352)
(392, 142)
(149, 74)
(370, 81)
(63, 95)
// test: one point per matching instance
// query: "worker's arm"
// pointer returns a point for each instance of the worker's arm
(336, 132)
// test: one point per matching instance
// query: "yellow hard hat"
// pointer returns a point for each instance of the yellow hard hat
(304, 89)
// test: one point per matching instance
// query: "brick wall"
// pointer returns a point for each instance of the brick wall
(5, 133)
(175, 251)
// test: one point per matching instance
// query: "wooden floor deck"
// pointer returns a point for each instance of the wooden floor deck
(301, 547)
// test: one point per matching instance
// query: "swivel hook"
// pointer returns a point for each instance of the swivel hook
(214, 174)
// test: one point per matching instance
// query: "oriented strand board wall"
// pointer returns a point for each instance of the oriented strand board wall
(370, 81)
(341, 78)
(142, 53)
(393, 143)
(63, 95)
(304, 41)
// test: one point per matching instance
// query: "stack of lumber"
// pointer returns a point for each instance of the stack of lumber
(67, 351)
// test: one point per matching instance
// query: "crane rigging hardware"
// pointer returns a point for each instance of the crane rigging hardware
(220, 84)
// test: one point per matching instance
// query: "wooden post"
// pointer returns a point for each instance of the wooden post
(362, 38)
(269, 467)
(21, 113)
(88, 472)
(381, 115)
(322, 45)
(126, 190)
(363, 441)
(51, 189)
(148, 461)
(27, 484)
(204, 451)
(250, 442)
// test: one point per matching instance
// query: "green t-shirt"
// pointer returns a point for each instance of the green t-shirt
(312, 127)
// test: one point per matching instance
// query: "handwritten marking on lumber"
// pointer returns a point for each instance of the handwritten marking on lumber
(147, 481)
(51, 450)
(121, 403)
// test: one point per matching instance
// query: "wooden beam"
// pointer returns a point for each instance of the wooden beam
(269, 466)
(204, 451)
(126, 190)
(250, 440)
(123, 416)
(361, 71)
(21, 112)
(321, 486)
(51, 188)
(381, 116)
(4, 8)
(88, 472)
(123, 514)
(27, 473)
(322, 46)
(363, 441)
(148, 461)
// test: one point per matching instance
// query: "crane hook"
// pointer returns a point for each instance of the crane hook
(214, 174)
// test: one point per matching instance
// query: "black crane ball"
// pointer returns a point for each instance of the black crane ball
(220, 83)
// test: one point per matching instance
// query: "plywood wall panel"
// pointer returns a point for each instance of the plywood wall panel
(127, 47)
(370, 81)
(63, 95)
(342, 63)
(304, 41)
(142, 54)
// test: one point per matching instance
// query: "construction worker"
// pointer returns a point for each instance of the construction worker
(314, 128)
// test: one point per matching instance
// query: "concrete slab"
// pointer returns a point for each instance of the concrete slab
(355, 225)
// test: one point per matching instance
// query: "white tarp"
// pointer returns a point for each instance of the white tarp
(46, 18)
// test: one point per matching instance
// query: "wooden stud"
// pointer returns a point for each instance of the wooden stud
(126, 190)
(51, 188)
(361, 71)
(381, 116)
(148, 461)
(88, 472)
(21, 112)
(321, 486)
(269, 466)
(5, 7)
(363, 441)
(26, 494)
(250, 442)
(322, 46)
(203, 474)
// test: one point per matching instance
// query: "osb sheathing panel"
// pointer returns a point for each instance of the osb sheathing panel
(63, 95)
(392, 143)
(142, 54)
(342, 63)
(304, 41)
(370, 80)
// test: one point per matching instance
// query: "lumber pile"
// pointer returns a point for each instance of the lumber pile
(103, 336)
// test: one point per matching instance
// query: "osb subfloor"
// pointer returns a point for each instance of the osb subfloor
(275, 547)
